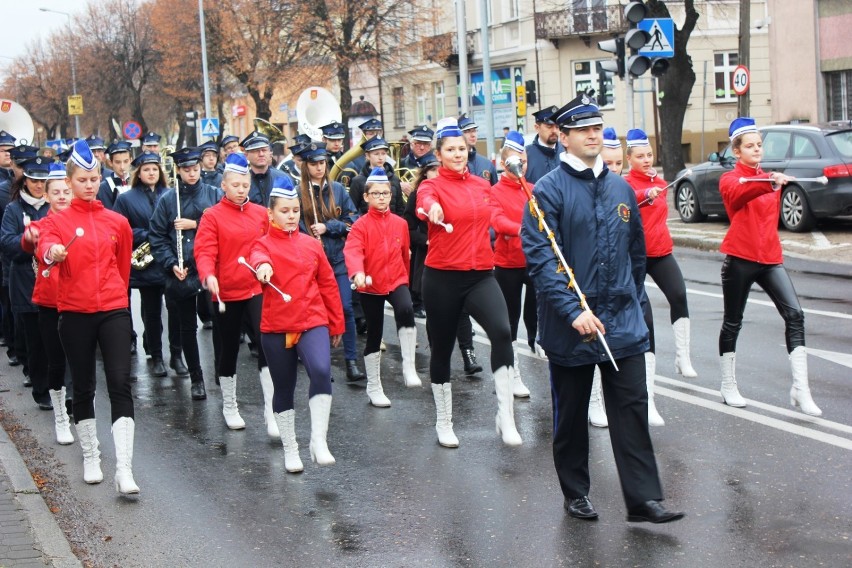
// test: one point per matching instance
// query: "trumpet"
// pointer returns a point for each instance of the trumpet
(142, 257)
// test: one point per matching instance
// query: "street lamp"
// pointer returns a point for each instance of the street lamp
(73, 65)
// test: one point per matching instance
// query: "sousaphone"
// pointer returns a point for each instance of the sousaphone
(15, 120)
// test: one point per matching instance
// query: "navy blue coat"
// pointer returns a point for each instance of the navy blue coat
(6, 174)
(336, 229)
(481, 166)
(261, 185)
(5, 186)
(108, 194)
(212, 177)
(597, 226)
(137, 205)
(541, 160)
(21, 274)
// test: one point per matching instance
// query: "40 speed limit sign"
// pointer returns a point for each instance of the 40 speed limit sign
(741, 80)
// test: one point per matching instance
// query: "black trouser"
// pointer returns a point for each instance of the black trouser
(228, 326)
(186, 311)
(374, 312)
(130, 311)
(204, 307)
(357, 308)
(665, 272)
(8, 320)
(512, 282)
(151, 299)
(81, 335)
(737, 277)
(36, 361)
(48, 324)
(20, 349)
(626, 399)
(446, 294)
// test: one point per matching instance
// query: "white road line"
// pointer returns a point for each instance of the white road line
(821, 241)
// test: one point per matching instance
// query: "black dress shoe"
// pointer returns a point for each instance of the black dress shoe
(353, 373)
(198, 391)
(14, 361)
(470, 365)
(177, 364)
(158, 367)
(652, 512)
(581, 508)
(420, 313)
(27, 382)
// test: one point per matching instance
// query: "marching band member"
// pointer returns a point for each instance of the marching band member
(327, 214)
(378, 247)
(371, 128)
(544, 151)
(376, 152)
(94, 275)
(151, 143)
(259, 155)
(98, 148)
(119, 181)
(508, 201)
(459, 276)
(7, 142)
(333, 134)
(210, 173)
(175, 257)
(292, 166)
(661, 264)
(754, 255)
(226, 233)
(306, 330)
(420, 145)
(478, 165)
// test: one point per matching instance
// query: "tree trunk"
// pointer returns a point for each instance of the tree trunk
(261, 102)
(345, 97)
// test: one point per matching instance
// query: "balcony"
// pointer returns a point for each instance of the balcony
(561, 24)
(444, 50)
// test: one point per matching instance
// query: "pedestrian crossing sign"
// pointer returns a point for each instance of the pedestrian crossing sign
(661, 31)
(210, 127)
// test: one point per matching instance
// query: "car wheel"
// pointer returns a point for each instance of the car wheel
(796, 215)
(686, 202)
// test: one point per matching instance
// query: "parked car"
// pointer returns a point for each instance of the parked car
(799, 150)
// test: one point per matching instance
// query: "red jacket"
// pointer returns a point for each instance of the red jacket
(378, 246)
(508, 201)
(301, 270)
(95, 275)
(45, 289)
(658, 240)
(466, 203)
(753, 209)
(225, 233)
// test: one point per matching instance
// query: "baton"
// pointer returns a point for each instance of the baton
(447, 226)
(287, 298)
(821, 179)
(369, 282)
(77, 233)
(688, 172)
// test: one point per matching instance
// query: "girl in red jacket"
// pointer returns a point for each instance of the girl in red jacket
(226, 232)
(298, 329)
(459, 276)
(508, 201)
(754, 255)
(661, 265)
(378, 247)
(94, 274)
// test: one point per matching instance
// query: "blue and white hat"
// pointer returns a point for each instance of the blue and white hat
(57, 171)
(372, 124)
(95, 142)
(254, 141)
(447, 127)
(282, 186)
(36, 168)
(579, 113)
(610, 138)
(146, 158)
(151, 138)
(741, 126)
(515, 141)
(375, 144)
(333, 131)
(81, 154)
(378, 175)
(422, 133)
(466, 123)
(637, 137)
(237, 163)
(117, 147)
(6, 139)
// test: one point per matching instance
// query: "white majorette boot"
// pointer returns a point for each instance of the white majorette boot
(597, 413)
(87, 432)
(800, 394)
(408, 348)
(505, 407)
(373, 368)
(654, 418)
(122, 434)
(62, 423)
(683, 365)
(730, 393)
(443, 394)
(320, 405)
(229, 403)
(287, 426)
(519, 389)
(268, 389)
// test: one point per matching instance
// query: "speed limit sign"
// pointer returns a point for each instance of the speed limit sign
(741, 80)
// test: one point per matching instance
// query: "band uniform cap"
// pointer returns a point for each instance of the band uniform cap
(117, 147)
(610, 138)
(21, 154)
(515, 141)
(314, 152)
(579, 113)
(36, 168)
(186, 157)
(428, 160)
(146, 158)
(282, 186)
(299, 142)
(95, 142)
(448, 127)
(236, 163)
(151, 138)
(254, 141)
(300, 149)
(81, 154)
(422, 133)
(545, 115)
(65, 154)
(209, 146)
(466, 123)
(372, 124)
(57, 171)
(333, 131)
(6, 139)
(378, 175)
(228, 139)
(375, 144)
(741, 126)
(637, 137)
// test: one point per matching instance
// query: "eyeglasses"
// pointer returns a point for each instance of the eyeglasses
(383, 194)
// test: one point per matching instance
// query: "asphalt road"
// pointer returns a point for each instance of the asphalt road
(762, 486)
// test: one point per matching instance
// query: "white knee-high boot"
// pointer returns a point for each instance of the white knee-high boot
(122, 434)
(654, 418)
(729, 391)
(443, 394)
(505, 419)
(87, 432)
(287, 426)
(408, 348)
(229, 403)
(800, 393)
(373, 368)
(272, 429)
(683, 365)
(597, 412)
(62, 424)
(519, 389)
(320, 405)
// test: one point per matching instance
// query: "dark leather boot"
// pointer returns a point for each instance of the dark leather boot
(470, 365)
(158, 367)
(353, 373)
(197, 389)
(177, 364)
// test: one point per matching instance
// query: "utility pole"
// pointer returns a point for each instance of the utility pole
(744, 51)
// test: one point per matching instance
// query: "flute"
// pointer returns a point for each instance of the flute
(647, 199)
(314, 207)
(179, 232)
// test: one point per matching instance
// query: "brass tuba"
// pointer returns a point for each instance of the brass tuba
(269, 130)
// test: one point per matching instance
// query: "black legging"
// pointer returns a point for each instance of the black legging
(666, 273)
(81, 334)
(446, 293)
(737, 277)
(228, 326)
(512, 281)
(48, 322)
(374, 312)
(151, 299)
(36, 361)
(185, 309)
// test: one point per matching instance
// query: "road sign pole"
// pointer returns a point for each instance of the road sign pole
(628, 97)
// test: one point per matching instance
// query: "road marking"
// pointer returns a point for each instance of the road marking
(820, 240)
(834, 356)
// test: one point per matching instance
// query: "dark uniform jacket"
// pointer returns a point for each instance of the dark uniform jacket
(137, 205)
(21, 273)
(336, 229)
(541, 160)
(212, 177)
(481, 166)
(359, 184)
(111, 187)
(5, 186)
(261, 185)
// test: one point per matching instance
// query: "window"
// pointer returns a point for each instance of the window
(398, 107)
(775, 146)
(586, 77)
(439, 100)
(513, 11)
(420, 104)
(723, 70)
(838, 91)
(804, 148)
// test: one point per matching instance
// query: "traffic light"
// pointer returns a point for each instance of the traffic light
(604, 81)
(191, 117)
(531, 94)
(659, 66)
(616, 46)
(636, 39)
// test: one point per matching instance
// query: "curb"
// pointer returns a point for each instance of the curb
(54, 545)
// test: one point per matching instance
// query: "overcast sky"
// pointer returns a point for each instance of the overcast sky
(21, 22)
